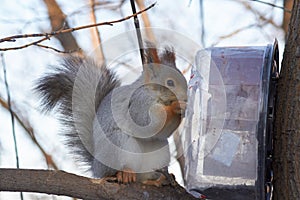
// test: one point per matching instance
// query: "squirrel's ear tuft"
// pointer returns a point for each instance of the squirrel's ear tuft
(151, 54)
(168, 57)
(151, 68)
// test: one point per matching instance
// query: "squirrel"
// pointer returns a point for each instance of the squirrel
(118, 131)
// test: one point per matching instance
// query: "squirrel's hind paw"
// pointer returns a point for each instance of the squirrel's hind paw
(126, 176)
(162, 180)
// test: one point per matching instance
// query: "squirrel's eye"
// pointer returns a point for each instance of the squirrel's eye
(170, 83)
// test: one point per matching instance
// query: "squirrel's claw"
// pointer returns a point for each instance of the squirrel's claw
(170, 178)
(162, 180)
(106, 179)
(126, 176)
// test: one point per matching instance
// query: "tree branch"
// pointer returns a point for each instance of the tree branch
(67, 184)
(288, 10)
(12, 38)
(54, 33)
(57, 50)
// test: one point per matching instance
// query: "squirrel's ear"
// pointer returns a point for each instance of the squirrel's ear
(152, 65)
(151, 55)
(168, 57)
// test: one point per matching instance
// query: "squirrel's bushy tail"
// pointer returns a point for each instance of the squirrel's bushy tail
(75, 89)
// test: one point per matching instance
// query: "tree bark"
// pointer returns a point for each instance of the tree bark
(287, 124)
(63, 183)
(288, 4)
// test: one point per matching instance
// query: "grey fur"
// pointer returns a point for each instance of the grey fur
(128, 130)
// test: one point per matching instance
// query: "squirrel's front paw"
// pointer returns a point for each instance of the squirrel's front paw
(126, 176)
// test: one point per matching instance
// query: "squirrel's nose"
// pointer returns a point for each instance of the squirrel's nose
(180, 107)
(182, 104)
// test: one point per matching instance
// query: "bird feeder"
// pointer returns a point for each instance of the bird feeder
(229, 120)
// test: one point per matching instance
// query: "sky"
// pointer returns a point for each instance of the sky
(225, 22)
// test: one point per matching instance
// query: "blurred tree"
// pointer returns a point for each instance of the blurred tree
(58, 22)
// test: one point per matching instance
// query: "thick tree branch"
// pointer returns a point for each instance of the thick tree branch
(63, 183)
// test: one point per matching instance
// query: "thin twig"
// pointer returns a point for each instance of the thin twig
(13, 127)
(57, 50)
(273, 5)
(26, 45)
(10, 110)
(49, 35)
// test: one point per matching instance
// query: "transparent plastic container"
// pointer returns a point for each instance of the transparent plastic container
(228, 124)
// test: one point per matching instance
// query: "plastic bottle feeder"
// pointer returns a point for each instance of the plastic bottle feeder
(229, 120)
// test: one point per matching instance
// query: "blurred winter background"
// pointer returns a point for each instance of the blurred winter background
(206, 22)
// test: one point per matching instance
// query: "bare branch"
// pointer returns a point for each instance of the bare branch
(49, 35)
(26, 45)
(63, 183)
(10, 111)
(57, 50)
(273, 5)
